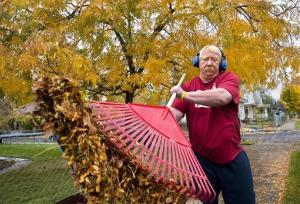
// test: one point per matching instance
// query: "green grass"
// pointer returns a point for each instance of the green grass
(292, 186)
(297, 125)
(45, 180)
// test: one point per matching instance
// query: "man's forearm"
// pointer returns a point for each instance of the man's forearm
(214, 97)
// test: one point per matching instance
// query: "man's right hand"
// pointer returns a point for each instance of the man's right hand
(177, 89)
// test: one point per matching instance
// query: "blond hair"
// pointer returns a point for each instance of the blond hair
(211, 48)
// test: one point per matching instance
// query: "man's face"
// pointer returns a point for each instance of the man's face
(209, 64)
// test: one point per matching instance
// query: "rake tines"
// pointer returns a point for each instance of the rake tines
(155, 144)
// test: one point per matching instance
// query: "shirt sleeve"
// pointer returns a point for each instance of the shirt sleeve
(181, 104)
(231, 83)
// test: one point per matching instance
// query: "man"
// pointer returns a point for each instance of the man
(210, 102)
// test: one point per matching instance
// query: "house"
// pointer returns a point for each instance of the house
(251, 107)
(242, 113)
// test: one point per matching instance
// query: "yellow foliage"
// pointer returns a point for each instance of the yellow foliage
(20, 4)
(290, 98)
(125, 49)
(27, 62)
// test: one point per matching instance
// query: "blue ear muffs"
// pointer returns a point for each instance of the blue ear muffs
(222, 65)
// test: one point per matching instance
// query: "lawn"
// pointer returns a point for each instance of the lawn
(45, 180)
(297, 124)
(292, 189)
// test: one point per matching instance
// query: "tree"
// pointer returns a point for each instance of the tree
(290, 99)
(136, 50)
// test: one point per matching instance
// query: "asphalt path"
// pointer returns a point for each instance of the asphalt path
(273, 137)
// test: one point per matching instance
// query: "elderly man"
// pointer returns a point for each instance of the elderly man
(210, 103)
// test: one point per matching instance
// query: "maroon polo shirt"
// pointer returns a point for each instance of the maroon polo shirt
(214, 131)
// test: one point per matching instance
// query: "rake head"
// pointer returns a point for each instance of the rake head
(154, 143)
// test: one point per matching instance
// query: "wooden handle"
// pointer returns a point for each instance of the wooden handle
(171, 100)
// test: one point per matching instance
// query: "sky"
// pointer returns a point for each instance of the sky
(276, 92)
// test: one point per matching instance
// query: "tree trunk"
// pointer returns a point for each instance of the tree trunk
(129, 97)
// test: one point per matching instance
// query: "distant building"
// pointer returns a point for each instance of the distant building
(251, 107)
(242, 112)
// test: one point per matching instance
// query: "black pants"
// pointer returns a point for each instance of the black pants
(233, 179)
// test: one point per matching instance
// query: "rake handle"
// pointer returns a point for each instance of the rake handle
(171, 100)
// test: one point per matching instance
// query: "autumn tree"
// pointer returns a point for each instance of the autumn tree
(290, 98)
(130, 50)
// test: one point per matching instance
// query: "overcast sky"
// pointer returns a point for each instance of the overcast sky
(276, 92)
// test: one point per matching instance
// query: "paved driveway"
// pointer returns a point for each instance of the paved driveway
(269, 158)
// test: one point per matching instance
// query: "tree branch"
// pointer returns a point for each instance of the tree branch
(77, 9)
(241, 9)
(159, 28)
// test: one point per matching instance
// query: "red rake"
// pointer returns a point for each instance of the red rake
(151, 137)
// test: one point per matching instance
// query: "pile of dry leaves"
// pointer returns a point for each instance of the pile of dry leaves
(101, 173)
